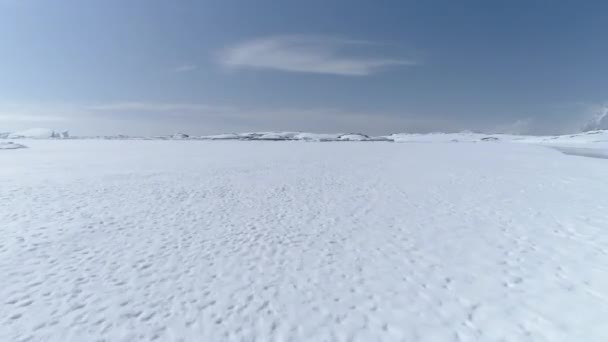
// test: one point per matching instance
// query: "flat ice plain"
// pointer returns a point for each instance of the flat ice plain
(294, 241)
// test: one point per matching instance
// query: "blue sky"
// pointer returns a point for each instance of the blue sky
(155, 67)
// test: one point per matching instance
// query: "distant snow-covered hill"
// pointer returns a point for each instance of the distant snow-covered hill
(593, 136)
(35, 133)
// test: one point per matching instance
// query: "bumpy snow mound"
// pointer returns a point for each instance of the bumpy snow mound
(176, 136)
(252, 136)
(227, 136)
(316, 137)
(353, 137)
(10, 146)
(452, 137)
(298, 136)
(276, 136)
(37, 133)
(489, 139)
(273, 136)
(180, 136)
(590, 137)
(380, 138)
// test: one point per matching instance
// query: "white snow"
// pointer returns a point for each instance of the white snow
(316, 137)
(584, 151)
(227, 136)
(276, 136)
(178, 136)
(353, 137)
(10, 146)
(302, 136)
(135, 240)
(452, 137)
(39, 133)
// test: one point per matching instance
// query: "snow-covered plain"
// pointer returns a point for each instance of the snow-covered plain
(288, 241)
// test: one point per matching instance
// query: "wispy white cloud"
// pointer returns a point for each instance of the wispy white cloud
(310, 54)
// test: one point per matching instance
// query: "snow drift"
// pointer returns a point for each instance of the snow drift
(10, 146)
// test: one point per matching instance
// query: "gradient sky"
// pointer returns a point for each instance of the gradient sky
(210, 66)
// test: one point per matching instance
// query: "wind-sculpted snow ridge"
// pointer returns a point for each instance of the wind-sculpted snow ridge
(583, 151)
(600, 136)
(10, 146)
(151, 240)
(39, 133)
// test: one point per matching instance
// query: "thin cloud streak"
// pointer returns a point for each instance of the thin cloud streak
(309, 54)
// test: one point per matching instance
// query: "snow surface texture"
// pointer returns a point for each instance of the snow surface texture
(264, 241)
